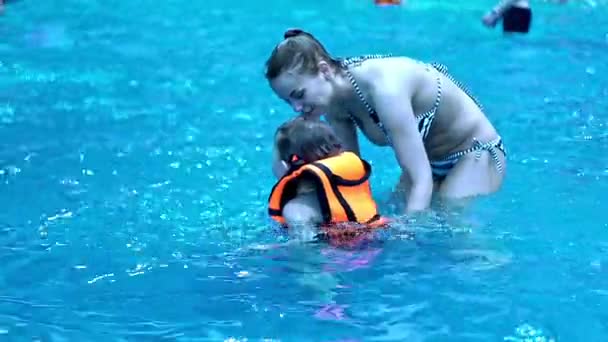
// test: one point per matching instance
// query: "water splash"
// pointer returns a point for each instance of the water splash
(527, 333)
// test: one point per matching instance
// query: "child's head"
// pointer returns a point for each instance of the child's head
(307, 139)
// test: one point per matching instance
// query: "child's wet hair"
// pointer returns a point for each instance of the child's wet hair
(310, 140)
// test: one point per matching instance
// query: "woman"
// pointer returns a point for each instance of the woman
(438, 132)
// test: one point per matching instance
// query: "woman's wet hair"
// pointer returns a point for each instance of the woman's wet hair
(307, 139)
(299, 50)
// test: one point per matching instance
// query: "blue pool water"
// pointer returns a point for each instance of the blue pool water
(135, 141)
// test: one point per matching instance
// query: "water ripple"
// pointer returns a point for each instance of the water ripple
(134, 181)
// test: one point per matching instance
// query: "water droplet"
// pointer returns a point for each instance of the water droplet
(243, 116)
(43, 232)
(242, 274)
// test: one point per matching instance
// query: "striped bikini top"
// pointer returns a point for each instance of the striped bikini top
(425, 120)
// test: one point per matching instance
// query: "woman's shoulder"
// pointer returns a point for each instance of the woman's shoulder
(393, 66)
(357, 60)
(388, 74)
(395, 72)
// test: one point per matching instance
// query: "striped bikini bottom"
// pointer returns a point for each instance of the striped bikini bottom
(443, 166)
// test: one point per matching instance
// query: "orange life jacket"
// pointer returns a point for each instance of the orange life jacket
(342, 185)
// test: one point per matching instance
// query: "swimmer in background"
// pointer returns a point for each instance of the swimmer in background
(323, 191)
(516, 16)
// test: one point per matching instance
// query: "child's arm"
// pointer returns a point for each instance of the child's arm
(302, 214)
(279, 167)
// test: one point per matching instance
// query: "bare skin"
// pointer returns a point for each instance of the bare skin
(302, 213)
(493, 16)
(399, 88)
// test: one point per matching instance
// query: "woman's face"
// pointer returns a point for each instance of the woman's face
(308, 94)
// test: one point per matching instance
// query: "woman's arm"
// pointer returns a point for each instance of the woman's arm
(393, 102)
(347, 132)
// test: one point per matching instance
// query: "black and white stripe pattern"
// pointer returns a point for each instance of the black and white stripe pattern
(444, 71)
(426, 119)
(478, 147)
(355, 61)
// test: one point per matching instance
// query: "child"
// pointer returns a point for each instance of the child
(323, 191)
